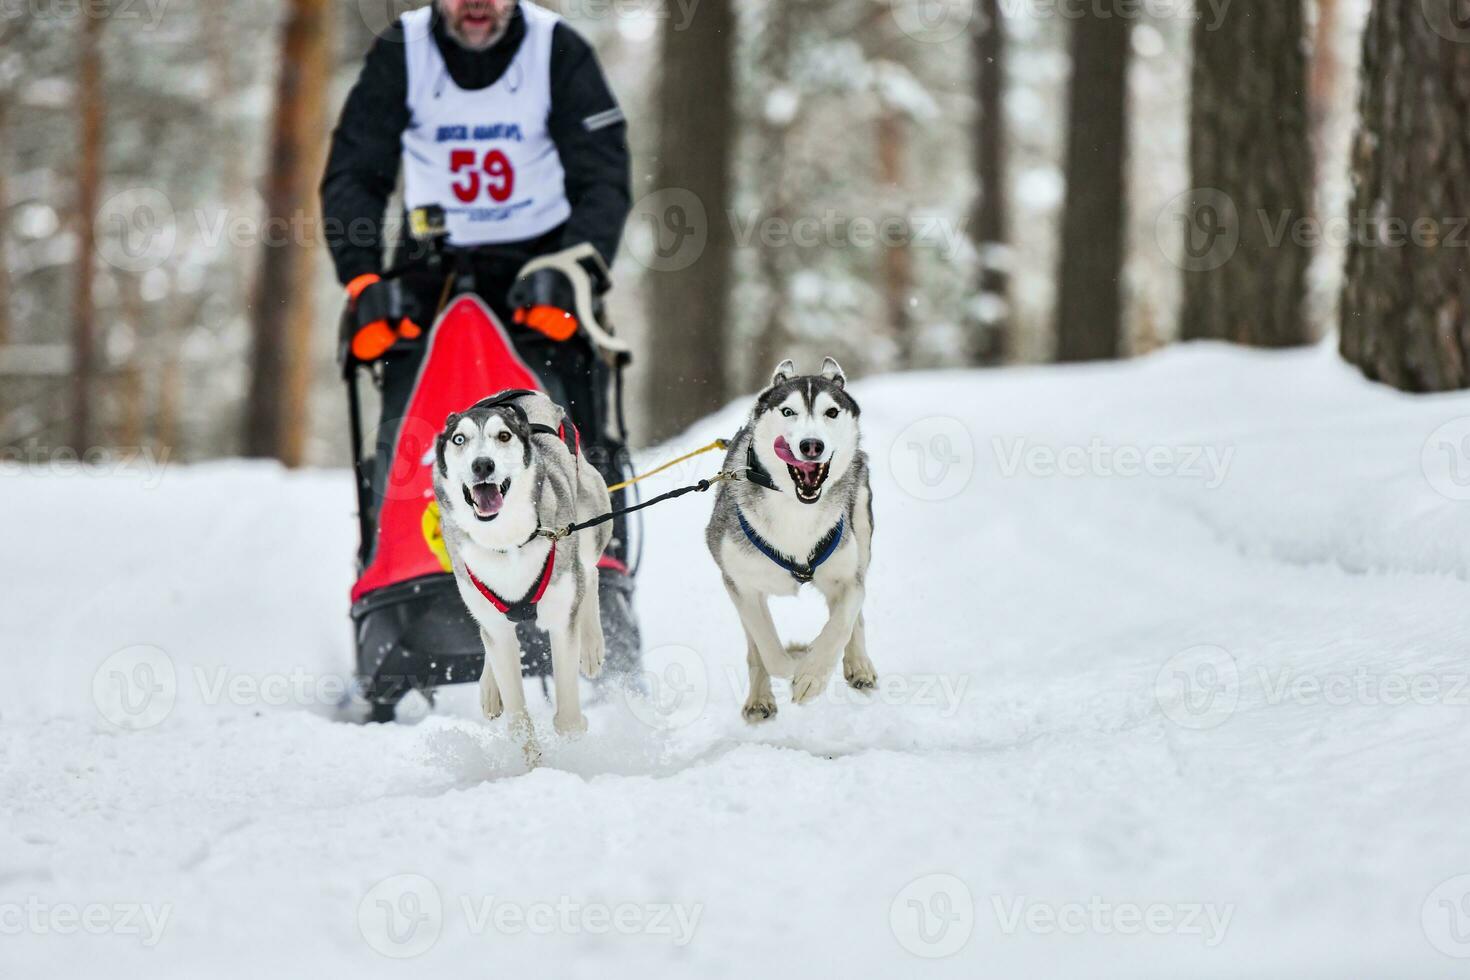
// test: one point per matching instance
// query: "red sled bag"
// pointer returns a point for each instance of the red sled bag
(410, 625)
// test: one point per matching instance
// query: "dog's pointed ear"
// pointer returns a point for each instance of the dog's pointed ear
(832, 371)
(785, 371)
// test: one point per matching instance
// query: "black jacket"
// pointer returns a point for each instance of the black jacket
(362, 168)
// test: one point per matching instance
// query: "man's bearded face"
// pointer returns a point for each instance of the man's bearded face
(477, 24)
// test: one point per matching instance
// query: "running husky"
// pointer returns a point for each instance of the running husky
(802, 514)
(509, 465)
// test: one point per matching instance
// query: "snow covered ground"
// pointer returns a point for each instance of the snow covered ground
(1207, 720)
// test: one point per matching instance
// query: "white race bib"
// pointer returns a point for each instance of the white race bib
(486, 156)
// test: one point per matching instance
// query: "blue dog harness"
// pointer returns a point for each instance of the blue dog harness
(802, 573)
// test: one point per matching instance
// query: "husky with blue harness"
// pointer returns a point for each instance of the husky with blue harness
(801, 513)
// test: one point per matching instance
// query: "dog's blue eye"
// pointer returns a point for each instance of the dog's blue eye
(458, 439)
(789, 413)
(832, 413)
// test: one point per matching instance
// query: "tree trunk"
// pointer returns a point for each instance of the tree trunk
(1406, 302)
(774, 189)
(897, 262)
(992, 340)
(1090, 295)
(91, 117)
(1250, 146)
(5, 164)
(689, 307)
(280, 363)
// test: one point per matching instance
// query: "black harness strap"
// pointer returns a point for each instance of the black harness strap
(699, 487)
(755, 472)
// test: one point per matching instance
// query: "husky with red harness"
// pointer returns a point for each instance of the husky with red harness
(502, 127)
(504, 471)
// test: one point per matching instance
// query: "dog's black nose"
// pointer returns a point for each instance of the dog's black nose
(812, 448)
(482, 468)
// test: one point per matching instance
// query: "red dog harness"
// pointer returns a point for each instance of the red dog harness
(525, 608)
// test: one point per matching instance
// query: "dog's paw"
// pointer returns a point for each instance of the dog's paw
(807, 684)
(570, 724)
(490, 702)
(591, 660)
(860, 676)
(757, 710)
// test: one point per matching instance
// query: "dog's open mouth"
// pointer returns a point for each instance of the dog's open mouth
(486, 499)
(807, 476)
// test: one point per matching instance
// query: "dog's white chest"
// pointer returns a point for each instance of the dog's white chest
(753, 568)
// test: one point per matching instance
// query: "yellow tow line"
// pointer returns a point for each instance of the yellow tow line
(717, 444)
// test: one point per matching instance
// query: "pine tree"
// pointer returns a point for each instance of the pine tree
(1406, 301)
(1090, 293)
(991, 216)
(91, 99)
(282, 316)
(1250, 146)
(689, 308)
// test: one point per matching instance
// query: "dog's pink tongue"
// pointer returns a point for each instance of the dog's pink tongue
(487, 498)
(785, 455)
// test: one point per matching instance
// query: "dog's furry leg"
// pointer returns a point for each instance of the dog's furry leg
(844, 605)
(856, 667)
(589, 626)
(490, 702)
(565, 659)
(761, 704)
(503, 656)
(760, 631)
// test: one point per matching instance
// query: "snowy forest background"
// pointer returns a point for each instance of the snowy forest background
(136, 180)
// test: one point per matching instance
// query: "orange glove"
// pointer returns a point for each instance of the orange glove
(553, 321)
(381, 318)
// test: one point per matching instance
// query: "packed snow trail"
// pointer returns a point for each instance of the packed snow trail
(1207, 722)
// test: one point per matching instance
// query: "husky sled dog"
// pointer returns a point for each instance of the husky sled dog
(504, 468)
(803, 513)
